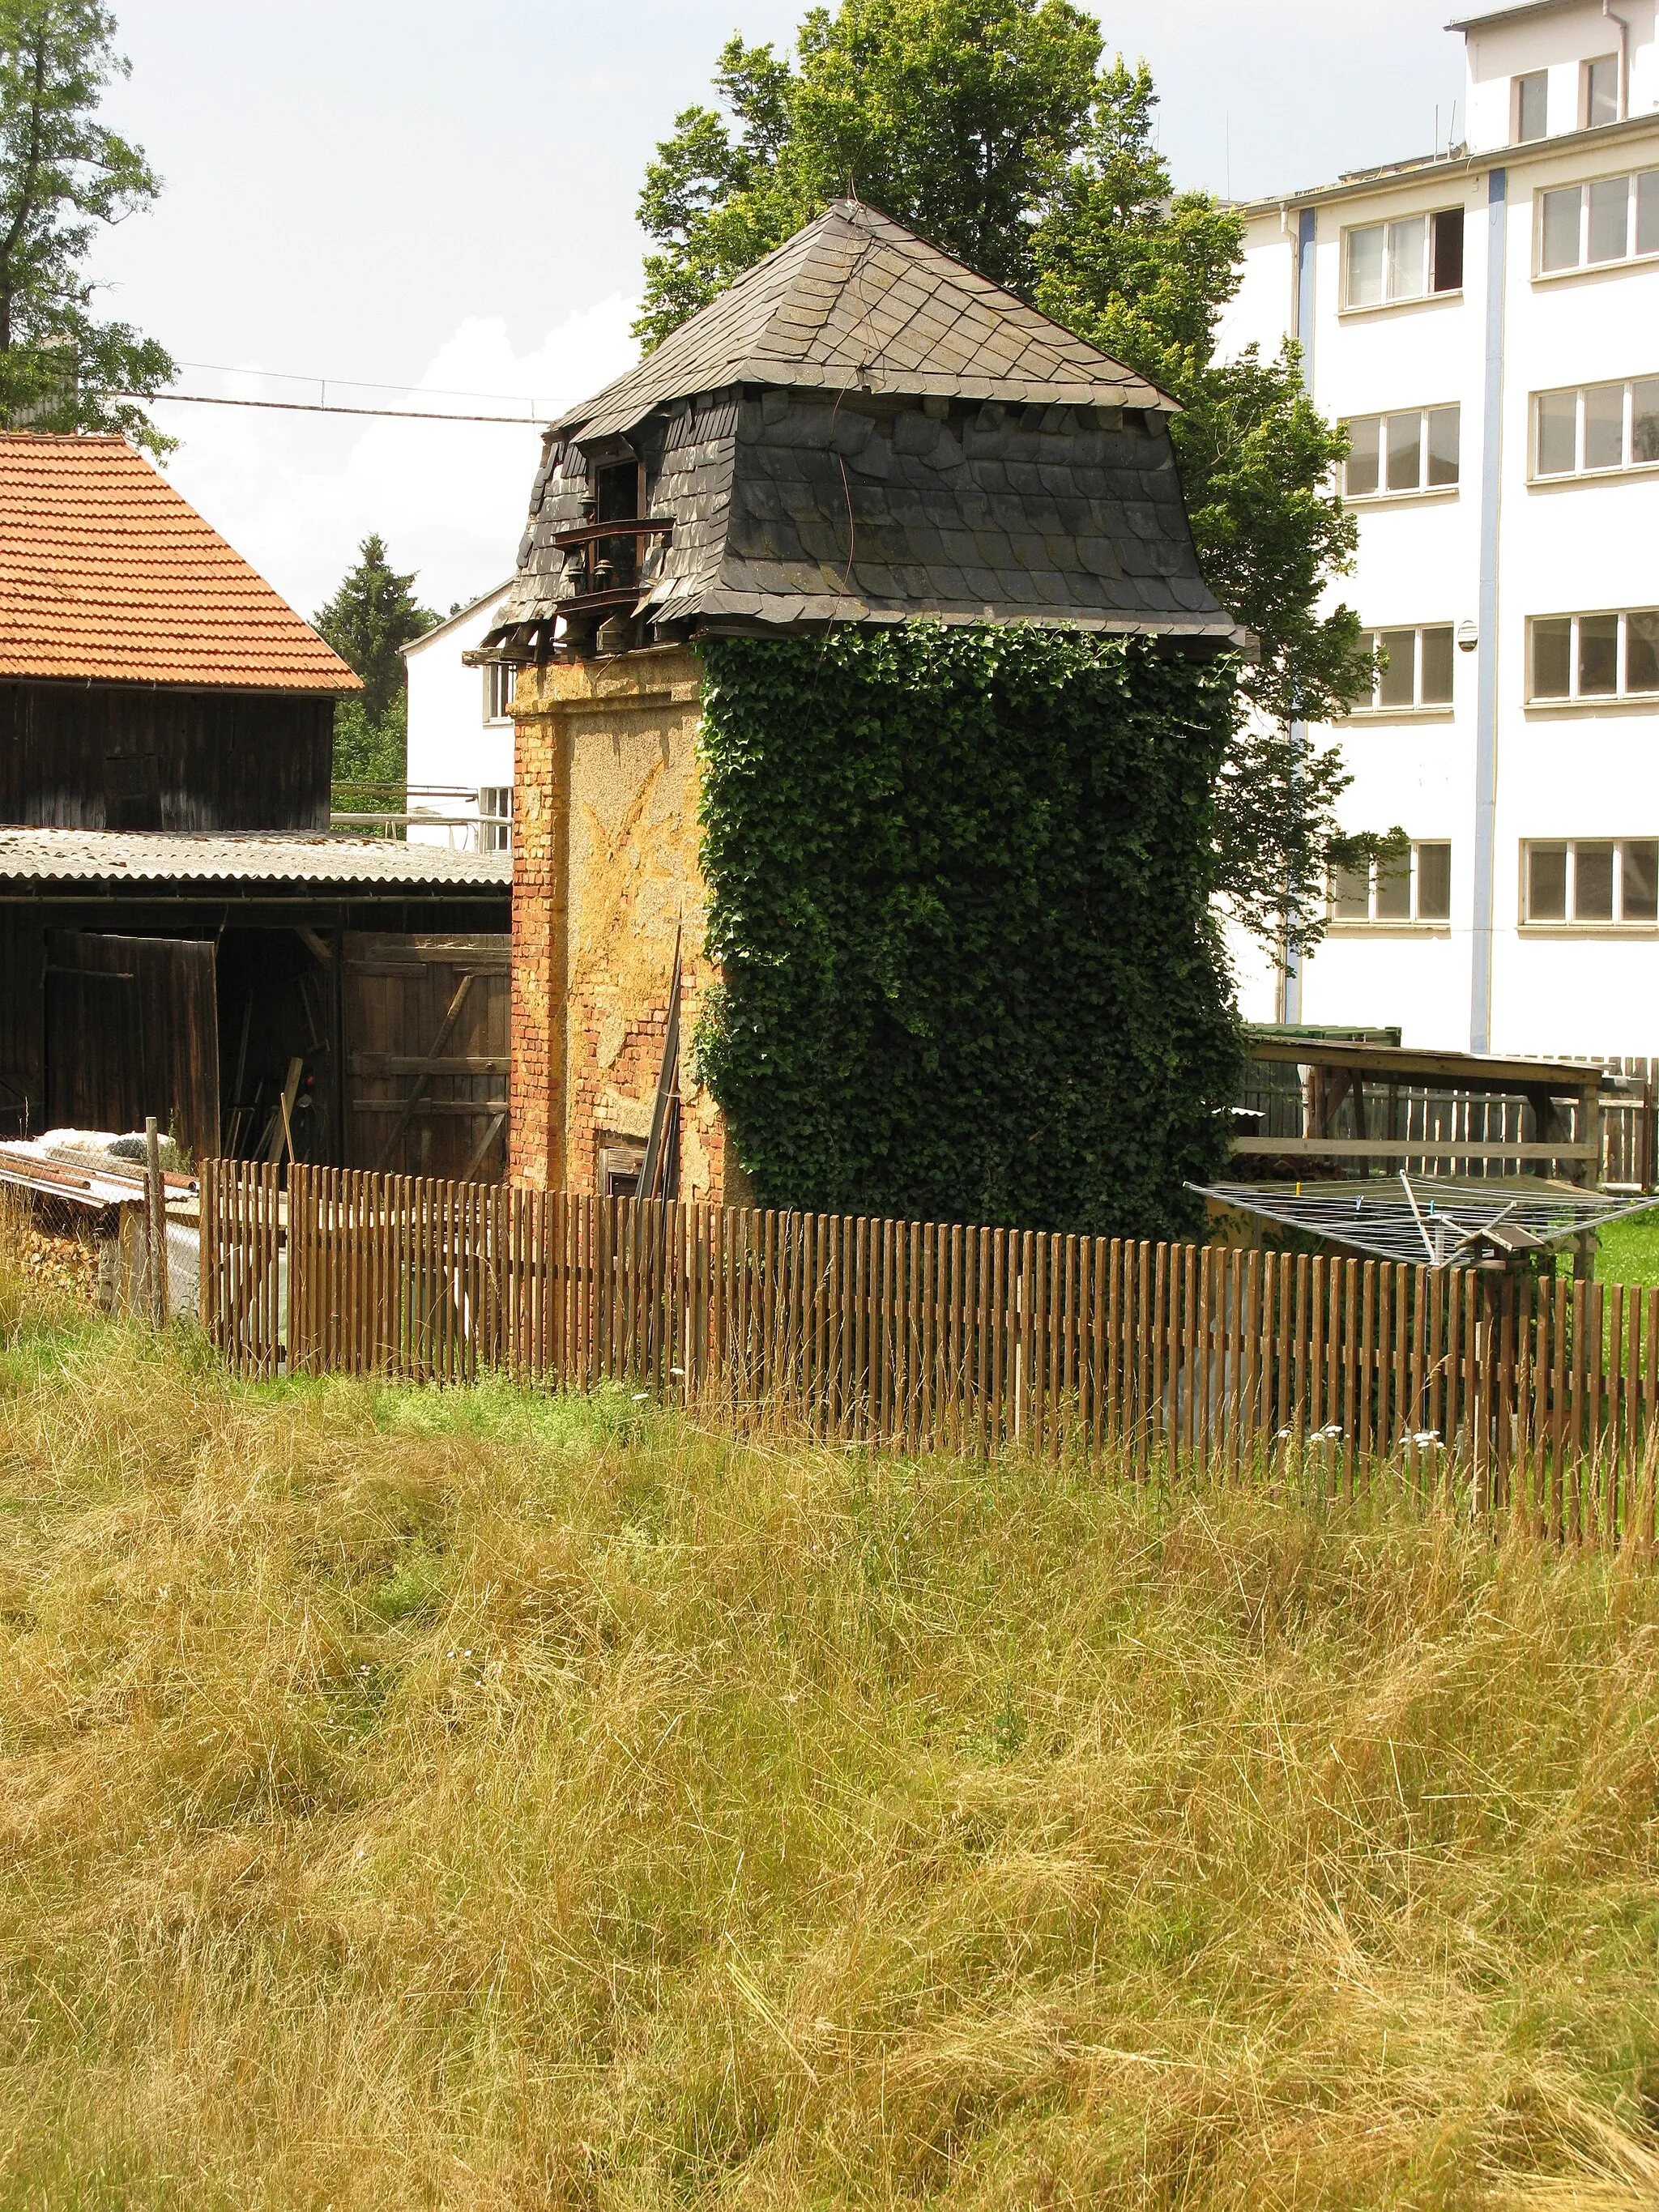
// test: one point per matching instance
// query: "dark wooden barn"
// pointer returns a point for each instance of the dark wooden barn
(180, 934)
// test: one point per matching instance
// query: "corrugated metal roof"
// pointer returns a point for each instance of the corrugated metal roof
(856, 301)
(109, 575)
(161, 858)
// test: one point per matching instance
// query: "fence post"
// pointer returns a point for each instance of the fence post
(156, 1224)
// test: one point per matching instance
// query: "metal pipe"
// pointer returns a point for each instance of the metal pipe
(1623, 22)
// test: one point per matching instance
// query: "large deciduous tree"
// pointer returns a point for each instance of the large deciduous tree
(61, 175)
(991, 127)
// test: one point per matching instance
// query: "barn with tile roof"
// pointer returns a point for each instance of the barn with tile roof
(150, 678)
(180, 932)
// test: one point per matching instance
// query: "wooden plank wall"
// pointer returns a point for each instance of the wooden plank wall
(143, 756)
(427, 1023)
(23, 1023)
(921, 1336)
(133, 1029)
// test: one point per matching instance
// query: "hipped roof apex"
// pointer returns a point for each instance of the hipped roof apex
(855, 302)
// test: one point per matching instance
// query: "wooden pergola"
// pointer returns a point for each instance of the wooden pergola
(1565, 1098)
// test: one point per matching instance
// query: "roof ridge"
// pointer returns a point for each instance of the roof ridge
(780, 323)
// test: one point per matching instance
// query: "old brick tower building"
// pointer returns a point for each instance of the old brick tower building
(861, 430)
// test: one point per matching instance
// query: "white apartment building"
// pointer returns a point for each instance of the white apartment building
(1487, 323)
(460, 735)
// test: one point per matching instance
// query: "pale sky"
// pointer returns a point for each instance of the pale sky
(442, 197)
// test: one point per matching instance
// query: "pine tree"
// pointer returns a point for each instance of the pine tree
(373, 613)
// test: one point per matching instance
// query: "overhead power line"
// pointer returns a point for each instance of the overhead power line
(317, 407)
(358, 384)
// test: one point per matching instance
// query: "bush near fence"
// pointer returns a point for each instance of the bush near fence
(919, 1336)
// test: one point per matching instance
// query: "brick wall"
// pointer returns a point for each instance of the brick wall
(606, 871)
(536, 1150)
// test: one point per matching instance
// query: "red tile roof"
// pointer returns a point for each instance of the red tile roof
(107, 573)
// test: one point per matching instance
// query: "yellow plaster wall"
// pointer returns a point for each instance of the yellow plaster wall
(608, 768)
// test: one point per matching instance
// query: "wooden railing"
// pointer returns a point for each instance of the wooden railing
(928, 1336)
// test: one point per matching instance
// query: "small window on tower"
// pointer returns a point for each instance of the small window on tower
(616, 492)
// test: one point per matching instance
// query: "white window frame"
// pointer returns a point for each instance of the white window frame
(1376, 711)
(1629, 465)
(1386, 305)
(1595, 922)
(1371, 919)
(1586, 121)
(1422, 489)
(1575, 698)
(1583, 187)
(496, 835)
(1523, 77)
(499, 677)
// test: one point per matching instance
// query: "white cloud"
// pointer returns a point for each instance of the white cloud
(295, 494)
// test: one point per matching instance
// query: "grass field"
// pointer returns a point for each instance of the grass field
(1628, 1250)
(480, 1800)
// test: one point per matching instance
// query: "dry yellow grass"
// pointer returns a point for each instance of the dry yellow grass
(488, 1802)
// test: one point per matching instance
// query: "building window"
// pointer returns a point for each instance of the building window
(1532, 104)
(1600, 426)
(1415, 670)
(1587, 225)
(501, 688)
(1601, 97)
(1416, 451)
(1607, 880)
(1415, 886)
(1406, 260)
(1601, 656)
(495, 818)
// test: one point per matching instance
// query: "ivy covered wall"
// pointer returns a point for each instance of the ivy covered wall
(958, 886)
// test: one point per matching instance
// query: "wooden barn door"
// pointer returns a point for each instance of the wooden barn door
(427, 1024)
(132, 1028)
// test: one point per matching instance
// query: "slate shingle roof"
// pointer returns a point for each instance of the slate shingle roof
(861, 429)
(854, 300)
(107, 575)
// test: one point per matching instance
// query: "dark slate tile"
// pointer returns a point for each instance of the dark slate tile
(1096, 557)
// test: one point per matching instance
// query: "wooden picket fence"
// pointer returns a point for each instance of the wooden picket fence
(933, 1336)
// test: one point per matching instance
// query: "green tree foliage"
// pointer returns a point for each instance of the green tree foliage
(371, 615)
(990, 126)
(1144, 273)
(954, 115)
(371, 752)
(62, 175)
(960, 895)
